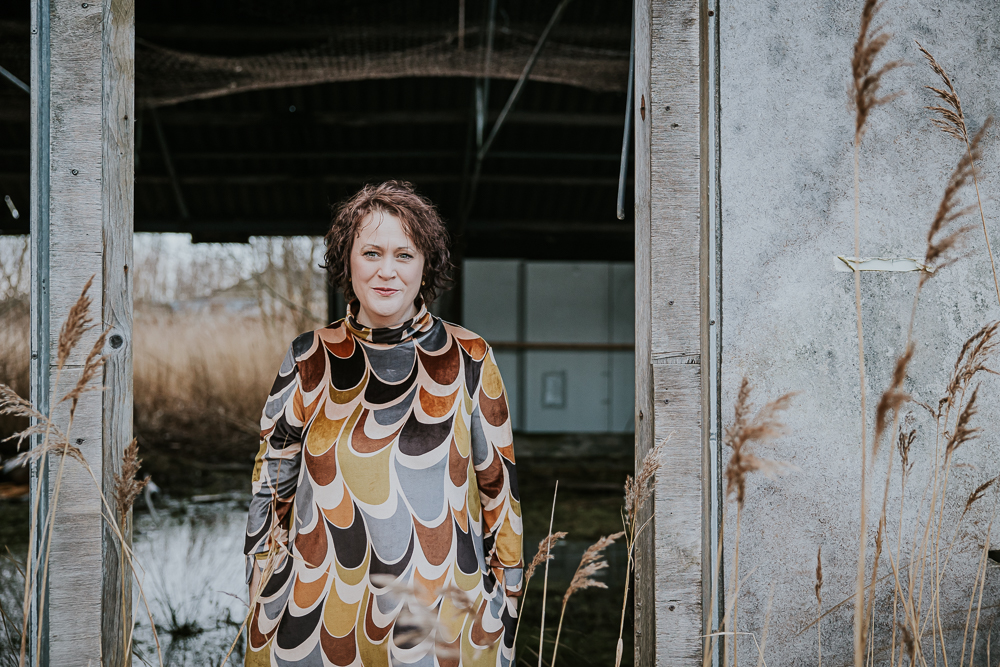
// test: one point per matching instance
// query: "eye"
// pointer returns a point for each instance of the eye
(405, 255)
(370, 253)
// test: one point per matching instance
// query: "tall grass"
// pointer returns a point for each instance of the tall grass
(14, 358)
(54, 444)
(901, 584)
(203, 378)
(866, 82)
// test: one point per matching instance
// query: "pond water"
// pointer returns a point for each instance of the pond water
(190, 556)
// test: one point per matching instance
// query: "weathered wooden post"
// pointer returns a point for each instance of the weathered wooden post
(672, 320)
(82, 120)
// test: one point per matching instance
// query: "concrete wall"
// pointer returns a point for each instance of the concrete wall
(788, 319)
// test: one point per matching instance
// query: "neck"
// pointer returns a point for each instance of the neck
(373, 321)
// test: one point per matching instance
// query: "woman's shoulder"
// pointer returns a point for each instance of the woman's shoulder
(306, 344)
(474, 344)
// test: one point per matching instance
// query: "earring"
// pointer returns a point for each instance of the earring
(422, 282)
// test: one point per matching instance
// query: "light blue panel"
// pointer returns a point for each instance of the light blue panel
(623, 302)
(622, 410)
(509, 371)
(583, 378)
(489, 298)
(567, 302)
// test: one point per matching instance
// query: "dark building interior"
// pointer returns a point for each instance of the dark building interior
(254, 117)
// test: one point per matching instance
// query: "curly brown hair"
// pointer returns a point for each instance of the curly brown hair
(421, 222)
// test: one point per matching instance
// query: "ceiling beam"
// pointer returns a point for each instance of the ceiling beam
(350, 179)
(175, 116)
(18, 113)
(358, 155)
(591, 35)
(309, 226)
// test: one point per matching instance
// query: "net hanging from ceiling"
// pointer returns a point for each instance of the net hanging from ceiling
(166, 76)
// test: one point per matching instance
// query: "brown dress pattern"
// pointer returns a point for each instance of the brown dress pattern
(385, 479)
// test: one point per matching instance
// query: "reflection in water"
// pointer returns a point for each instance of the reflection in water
(193, 578)
(11, 599)
(191, 559)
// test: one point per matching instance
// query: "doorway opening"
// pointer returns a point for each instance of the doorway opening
(252, 119)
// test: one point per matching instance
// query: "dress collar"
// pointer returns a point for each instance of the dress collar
(420, 322)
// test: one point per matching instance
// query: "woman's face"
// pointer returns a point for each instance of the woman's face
(386, 271)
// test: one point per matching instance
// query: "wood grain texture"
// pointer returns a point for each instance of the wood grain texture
(74, 558)
(675, 157)
(40, 126)
(118, 93)
(705, 244)
(75, 206)
(678, 323)
(645, 590)
(678, 402)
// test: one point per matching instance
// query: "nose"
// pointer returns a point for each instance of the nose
(387, 268)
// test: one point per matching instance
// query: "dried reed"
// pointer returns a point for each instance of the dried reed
(543, 555)
(637, 492)
(12, 404)
(762, 427)
(545, 579)
(971, 360)
(767, 625)
(964, 431)
(819, 606)
(940, 249)
(54, 441)
(127, 487)
(590, 564)
(77, 323)
(951, 120)
(865, 85)
(893, 398)
(91, 365)
(907, 644)
(981, 582)
(942, 240)
(905, 442)
(978, 493)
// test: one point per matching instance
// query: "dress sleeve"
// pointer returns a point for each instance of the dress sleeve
(496, 476)
(276, 472)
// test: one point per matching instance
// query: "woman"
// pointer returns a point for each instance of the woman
(385, 526)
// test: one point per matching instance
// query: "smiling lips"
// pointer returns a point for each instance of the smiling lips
(384, 291)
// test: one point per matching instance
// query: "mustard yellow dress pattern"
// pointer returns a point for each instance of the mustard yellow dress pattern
(386, 480)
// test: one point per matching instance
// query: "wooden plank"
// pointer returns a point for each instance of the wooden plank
(679, 321)
(74, 562)
(675, 113)
(118, 94)
(708, 485)
(39, 214)
(645, 582)
(678, 400)
(74, 204)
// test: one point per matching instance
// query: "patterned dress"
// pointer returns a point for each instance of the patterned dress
(385, 502)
